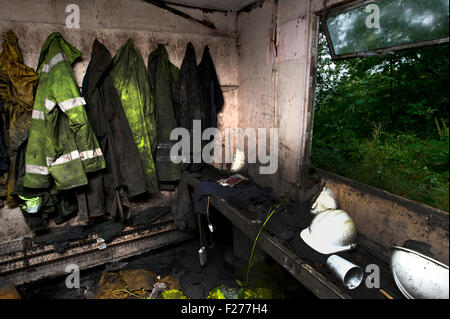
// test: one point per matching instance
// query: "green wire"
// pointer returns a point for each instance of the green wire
(272, 210)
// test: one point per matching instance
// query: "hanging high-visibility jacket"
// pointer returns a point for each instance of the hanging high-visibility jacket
(62, 146)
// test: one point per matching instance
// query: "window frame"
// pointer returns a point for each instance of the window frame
(344, 7)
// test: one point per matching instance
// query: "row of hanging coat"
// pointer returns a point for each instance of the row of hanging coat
(109, 143)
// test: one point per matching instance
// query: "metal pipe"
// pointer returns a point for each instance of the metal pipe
(348, 273)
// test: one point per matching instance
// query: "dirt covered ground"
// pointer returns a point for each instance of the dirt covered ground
(178, 266)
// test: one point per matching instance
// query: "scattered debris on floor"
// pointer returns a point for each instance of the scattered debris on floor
(8, 291)
(175, 273)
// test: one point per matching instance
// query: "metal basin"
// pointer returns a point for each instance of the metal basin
(419, 276)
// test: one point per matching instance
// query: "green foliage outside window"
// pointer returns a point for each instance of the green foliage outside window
(383, 121)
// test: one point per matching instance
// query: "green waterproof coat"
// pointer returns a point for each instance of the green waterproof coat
(62, 147)
(130, 79)
(123, 173)
(163, 78)
(17, 87)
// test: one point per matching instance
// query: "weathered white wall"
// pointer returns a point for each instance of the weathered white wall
(112, 22)
(256, 73)
(274, 80)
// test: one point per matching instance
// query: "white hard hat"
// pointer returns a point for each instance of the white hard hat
(327, 200)
(330, 232)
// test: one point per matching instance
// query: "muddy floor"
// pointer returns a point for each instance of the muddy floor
(181, 262)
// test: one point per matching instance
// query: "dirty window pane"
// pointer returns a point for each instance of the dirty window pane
(388, 23)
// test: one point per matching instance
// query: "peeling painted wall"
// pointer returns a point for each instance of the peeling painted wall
(275, 45)
(273, 79)
(112, 22)
(256, 74)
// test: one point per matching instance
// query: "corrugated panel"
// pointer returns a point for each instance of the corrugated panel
(21, 262)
